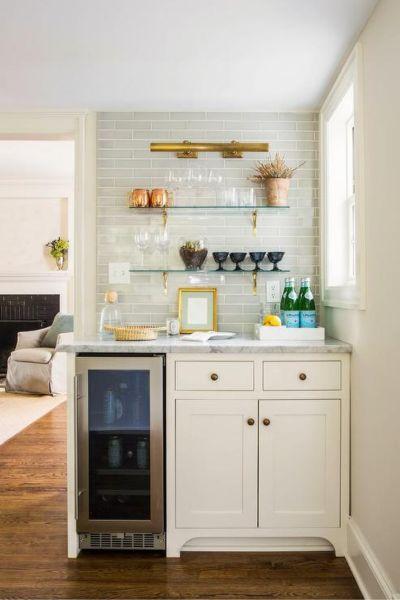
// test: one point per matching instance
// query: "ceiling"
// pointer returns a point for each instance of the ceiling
(174, 54)
(36, 160)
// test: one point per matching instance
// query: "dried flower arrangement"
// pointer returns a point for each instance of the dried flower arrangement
(275, 174)
(274, 168)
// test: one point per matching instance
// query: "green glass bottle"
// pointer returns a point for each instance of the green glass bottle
(307, 305)
(282, 306)
(291, 311)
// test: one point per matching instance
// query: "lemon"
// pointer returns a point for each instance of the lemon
(272, 321)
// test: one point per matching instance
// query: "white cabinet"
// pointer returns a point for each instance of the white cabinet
(216, 463)
(232, 483)
(299, 463)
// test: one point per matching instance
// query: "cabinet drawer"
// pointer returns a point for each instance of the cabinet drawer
(302, 375)
(214, 376)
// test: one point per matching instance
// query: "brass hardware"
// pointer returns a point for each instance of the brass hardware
(214, 376)
(165, 282)
(250, 421)
(266, 422)
(232, 152)
(302, 376)
(188, 149)
(165, 217)
(254, 222)
(254, 275)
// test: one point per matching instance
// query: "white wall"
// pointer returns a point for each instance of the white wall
(27, 224)
(375, 332)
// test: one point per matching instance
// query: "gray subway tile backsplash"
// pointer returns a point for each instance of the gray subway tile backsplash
(125, 162)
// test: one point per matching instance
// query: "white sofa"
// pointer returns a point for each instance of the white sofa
(34, 369)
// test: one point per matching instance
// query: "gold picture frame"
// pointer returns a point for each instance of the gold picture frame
(197, 308)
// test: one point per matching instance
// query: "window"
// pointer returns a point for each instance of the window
(341, 192)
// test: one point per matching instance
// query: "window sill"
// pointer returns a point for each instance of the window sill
(347, 297)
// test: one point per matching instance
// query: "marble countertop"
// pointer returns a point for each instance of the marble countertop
(173, 344)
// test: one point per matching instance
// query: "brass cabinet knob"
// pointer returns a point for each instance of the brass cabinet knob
(302, 376)
(250, 421)
(266, 422)
(214, 376)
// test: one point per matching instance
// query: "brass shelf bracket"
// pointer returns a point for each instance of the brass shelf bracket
(165, 282)
(165, 217)
(254, 275)
(254, 215)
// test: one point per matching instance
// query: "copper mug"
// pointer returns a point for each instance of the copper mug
(159, 198)
(139, 198)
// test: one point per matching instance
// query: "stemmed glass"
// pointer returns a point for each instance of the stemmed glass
(162, 242)
(142, 241)
(257, 257)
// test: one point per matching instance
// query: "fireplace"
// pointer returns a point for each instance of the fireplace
(23, 312)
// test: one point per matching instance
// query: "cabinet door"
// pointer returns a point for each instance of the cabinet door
(216, 463)
(299, 463)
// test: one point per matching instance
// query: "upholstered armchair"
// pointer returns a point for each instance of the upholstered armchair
(36, 369)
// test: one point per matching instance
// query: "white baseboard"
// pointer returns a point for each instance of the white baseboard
(372, 579)
(257, 545)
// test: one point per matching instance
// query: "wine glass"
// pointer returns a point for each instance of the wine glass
(142, 241)
(162, 242)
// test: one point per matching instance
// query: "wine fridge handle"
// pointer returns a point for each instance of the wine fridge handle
(76, 426)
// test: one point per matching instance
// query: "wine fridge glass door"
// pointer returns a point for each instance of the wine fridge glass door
(121, 451)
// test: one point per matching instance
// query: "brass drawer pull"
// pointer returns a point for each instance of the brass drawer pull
(250, 421)
(302, 376)
(266, 422)
(214, 376)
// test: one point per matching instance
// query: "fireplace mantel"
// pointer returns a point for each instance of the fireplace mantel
(50, 282)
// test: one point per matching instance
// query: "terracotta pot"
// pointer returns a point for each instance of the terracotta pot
(277, 190)
(139, 198)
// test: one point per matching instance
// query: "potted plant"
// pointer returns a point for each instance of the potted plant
(193, 253)
(59, 248)
(275, 174)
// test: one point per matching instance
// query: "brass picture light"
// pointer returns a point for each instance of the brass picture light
(188, 149)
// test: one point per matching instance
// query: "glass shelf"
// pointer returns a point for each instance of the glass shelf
(166, 271)
(208, 207)
(204, 271)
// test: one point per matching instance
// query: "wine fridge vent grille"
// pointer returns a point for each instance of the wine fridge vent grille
(122, 541)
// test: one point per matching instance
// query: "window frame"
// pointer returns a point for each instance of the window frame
(352, 294)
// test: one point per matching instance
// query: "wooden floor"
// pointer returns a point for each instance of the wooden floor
(33, 547)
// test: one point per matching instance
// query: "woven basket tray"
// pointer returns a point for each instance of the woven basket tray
(135, 333)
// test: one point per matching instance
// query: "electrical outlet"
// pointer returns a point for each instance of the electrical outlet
(119, 273)
(273, 291)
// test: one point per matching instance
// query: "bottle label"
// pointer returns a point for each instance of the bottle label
(308, 318)
(308, 295)
(292, 295)
(292, 318)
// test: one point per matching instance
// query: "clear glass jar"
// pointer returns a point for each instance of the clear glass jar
(110, 316)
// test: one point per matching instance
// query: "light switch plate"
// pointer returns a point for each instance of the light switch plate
(273, 291)
(119, 273)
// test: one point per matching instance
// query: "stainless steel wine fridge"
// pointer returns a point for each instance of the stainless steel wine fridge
(120, 451)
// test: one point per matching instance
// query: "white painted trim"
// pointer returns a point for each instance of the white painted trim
(370, 575)
(257, 545)
(81, 127)
(44, 276)
(350, 297)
